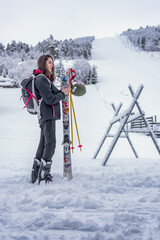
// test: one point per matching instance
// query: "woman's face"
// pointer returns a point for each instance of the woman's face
(49, 65)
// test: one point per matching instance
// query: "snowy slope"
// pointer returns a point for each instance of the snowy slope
(119, 66)
(120, 201)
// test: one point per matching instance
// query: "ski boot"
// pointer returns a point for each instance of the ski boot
(44, 171)
(35, 170)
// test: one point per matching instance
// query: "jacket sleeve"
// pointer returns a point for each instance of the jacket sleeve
(46, 93)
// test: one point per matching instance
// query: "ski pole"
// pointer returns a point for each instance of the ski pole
(75, 122)
(71, 118)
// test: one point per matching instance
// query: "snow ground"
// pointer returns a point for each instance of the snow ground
(120, 201)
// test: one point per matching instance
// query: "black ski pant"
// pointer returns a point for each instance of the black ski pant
(47, 143)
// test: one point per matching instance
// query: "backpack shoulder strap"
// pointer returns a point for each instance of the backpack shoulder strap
(41, 74)
(33, 85)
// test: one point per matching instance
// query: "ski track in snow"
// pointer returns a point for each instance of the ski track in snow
(120, 201)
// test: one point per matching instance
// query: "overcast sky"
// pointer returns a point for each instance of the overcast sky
(32, 21)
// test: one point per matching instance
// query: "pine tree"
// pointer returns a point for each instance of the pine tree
(59, 69)
(11, 48)
(143, 42)
(2, 47)
(52, 48)
(4, 73)
(89, 77)
(1, 68)
(94, 75)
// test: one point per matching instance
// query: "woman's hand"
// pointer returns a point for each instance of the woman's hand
(65, 90)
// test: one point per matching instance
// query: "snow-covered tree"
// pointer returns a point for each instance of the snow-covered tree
(89, 76)
(59, 69)
(2, 47)
(18, 60)
(147, 39)
(49, 46)
(94, 75)
(85, 72)
(143, 42)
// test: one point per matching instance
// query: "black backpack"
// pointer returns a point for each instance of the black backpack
(28, 94)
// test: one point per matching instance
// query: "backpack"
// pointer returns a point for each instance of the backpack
(28, 94)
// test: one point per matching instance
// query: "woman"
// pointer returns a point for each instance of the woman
(49, 111)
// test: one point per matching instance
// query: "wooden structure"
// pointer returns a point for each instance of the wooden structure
(124, 118)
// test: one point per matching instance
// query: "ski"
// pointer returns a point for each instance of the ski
(67, 165)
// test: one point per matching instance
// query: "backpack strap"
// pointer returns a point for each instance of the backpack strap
(34, 94)
(40, 101)
(41, 74)
(31, 95)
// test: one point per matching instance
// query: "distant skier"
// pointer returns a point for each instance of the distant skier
(48, 112)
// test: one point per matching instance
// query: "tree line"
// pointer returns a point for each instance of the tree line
(17, 60)
(67, 49)
(147, 39)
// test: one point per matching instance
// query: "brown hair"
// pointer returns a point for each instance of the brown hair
(42, 66)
